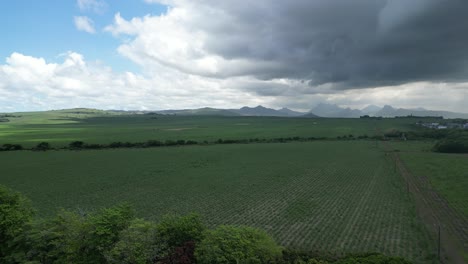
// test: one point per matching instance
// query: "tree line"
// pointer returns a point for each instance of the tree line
(115, 235)
(446, 140)
(80, 145)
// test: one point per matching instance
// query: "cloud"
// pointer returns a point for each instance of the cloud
(97, 6)
(85, 24)
(275, 53)
(351, 44)
(30, 83)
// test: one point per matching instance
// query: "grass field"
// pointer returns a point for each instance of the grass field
(338, 196)
(439, 183)
(61, 127)
(447, 173)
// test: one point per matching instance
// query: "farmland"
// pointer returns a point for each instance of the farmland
(438, 182)
(91, 126)
(336, 196)
(337, 188)
(447, 173)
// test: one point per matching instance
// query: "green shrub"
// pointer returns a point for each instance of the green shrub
(232, 244)
(176, 230)
(43, 146)
(138, 244)
(58, 240)
(15, 216)
(451, 146)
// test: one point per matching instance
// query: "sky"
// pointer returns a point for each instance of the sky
(177, 54)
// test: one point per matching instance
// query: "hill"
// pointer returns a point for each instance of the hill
(389, 111)
(206, 111)
(333, 110)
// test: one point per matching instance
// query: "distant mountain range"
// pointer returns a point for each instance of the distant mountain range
(321, 110)
(244, 111)
(389, 111)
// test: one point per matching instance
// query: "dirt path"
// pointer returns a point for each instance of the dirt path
(436, 213)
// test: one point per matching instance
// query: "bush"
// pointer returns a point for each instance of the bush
(76, 145)
(154, 143)
(43, 146)
(58, 240)
(179, 236)
(231, 244)
(11, 147)
(191, 142)
(15, 216)
(451, 146)
(177, 230)
(103, 230)
(138, 244)
(170, 143)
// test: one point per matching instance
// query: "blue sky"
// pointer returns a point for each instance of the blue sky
(175, 54)
(46, 29)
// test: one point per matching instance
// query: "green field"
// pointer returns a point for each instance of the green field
(447, 173)
(442, 183)
(61, 127)
(340, 196)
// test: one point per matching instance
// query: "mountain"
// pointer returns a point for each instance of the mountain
(310, 115)
(244, 111)
(389, 111)
(206, 111)
(332, 110)
(290, 112)
(258, 111)
(370, 110)
(321, 110)
(386, 111)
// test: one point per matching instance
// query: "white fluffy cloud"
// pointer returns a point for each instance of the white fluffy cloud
(29, 83)
(275, 53)
(84, 23)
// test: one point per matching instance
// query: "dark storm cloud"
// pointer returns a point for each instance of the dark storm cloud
(359, 43)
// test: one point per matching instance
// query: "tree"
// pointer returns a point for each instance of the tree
(43, 146)
(179, 234)
(58, 240)
(10, 147)
(76, 145)
(232, 244)
(15, 215)
(138, 244)
(103, 230)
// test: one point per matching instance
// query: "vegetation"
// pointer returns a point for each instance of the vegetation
(114, 235)
(329, 196)
(15, 214)
(229, 244)
(327, 191)
(59, 128)
(455, 142)
(447, 173)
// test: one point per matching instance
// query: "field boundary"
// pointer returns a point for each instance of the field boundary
(80, 145)
(447, 226)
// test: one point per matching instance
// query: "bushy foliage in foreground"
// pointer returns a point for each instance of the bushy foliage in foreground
(229, 244)
(15, 215)
(114, 235)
